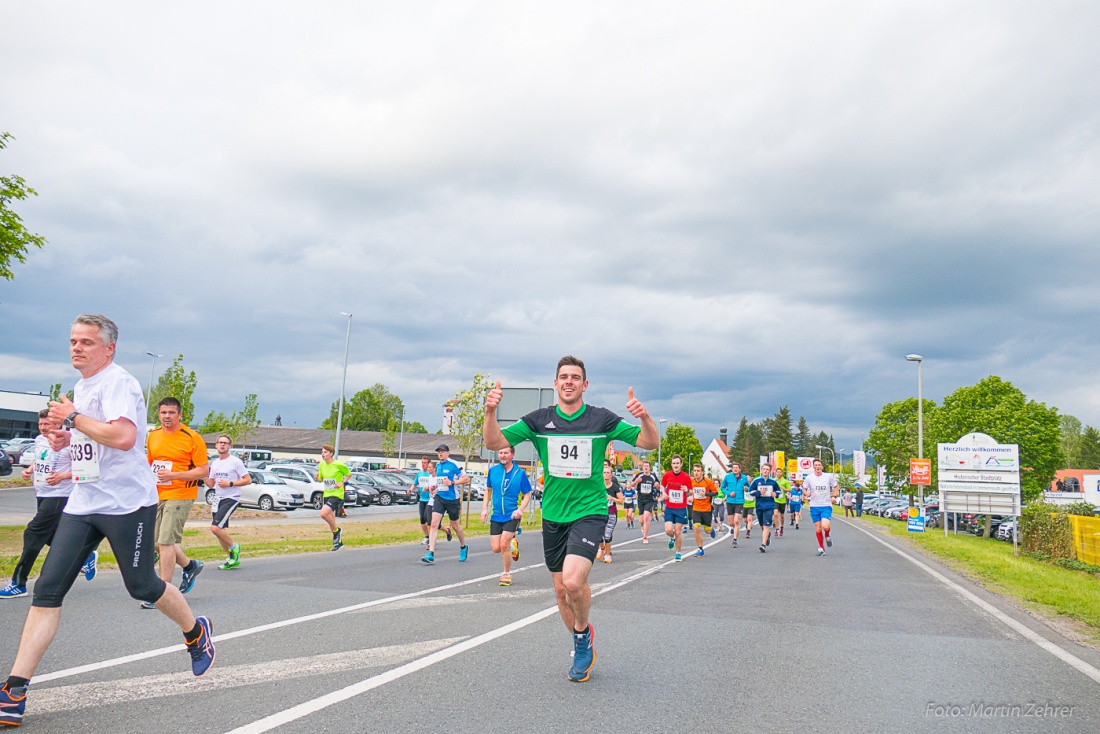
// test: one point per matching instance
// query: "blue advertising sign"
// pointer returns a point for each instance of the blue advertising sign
(916, 520)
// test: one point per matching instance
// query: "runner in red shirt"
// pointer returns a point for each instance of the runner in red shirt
(675, 490)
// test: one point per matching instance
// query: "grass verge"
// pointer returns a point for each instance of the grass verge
(1048, 588)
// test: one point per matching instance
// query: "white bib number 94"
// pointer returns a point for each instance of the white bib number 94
(569, 457)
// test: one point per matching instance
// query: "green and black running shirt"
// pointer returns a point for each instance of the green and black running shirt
(572, 448)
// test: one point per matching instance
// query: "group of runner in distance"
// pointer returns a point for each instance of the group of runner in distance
(91, 447)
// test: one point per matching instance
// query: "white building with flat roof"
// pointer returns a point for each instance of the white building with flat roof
(19, 413)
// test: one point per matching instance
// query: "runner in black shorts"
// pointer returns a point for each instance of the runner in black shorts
(648, 487)
(571, 439)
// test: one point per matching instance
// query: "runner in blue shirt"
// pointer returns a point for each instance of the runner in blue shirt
(734, 485)
(423, 484)
(796, 503)
(445, 500)
(507, 492)
(765, 489)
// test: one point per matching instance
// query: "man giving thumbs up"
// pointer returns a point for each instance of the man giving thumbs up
(571, 439)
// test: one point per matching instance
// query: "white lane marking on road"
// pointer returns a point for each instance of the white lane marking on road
(68, 672)
(265, 627)
(104, 693)
(1063, 655)
(301, 710)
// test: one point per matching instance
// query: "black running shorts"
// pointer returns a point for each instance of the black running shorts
(578, 538)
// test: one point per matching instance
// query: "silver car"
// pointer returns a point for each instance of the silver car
(267, 492)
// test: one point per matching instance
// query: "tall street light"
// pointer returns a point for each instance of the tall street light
(660, 430)
(819, 448)
(343, 384)
(152, 370)
(920, 417)
(401, 441)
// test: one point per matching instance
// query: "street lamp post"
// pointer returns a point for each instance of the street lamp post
(660, 430)
(401, 440)
(152, 370)
(819, 448)
(920, 416)
(343, 384)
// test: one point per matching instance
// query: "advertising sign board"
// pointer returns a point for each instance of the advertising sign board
(920, 471)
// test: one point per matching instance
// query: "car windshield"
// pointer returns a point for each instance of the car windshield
(266, 478)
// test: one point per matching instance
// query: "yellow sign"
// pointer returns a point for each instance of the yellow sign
(780, 460)
(792, 466)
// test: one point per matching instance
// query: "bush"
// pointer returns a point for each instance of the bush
(1045, 529)
(1071, 563)
(1084, 509)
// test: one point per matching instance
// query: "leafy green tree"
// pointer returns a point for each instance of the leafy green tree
(389, 438)
(894, 437)
(747, 446)
(803, 439)
(678, 439)
(236, 424)
(415, 427)
(777, 434)
(628, 462)
(367, 410)
(1071, 439)
(175, 383)
(14, 237)
(998, 408)
(469, 415)
(1088, 451)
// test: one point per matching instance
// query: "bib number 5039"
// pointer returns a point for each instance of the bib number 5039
(85, 457)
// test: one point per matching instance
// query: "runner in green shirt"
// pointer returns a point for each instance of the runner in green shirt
(571, 439)
(332, 475)
(781, 503)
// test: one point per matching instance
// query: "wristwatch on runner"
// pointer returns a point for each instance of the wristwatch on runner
(68, 422)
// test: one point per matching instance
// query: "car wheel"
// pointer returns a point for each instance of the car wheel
(210, 495)
(266, 504)
(317, 500)
(385, 499)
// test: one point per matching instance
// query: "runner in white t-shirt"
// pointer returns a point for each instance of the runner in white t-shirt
(115, 497)
(51, 474)
(820, 488)
(227, 475)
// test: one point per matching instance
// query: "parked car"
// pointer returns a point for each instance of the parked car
(1004, 531)
(15, 446)
(27, 457)
(5, 465)
(300, 477)
(267, 492)
(367, 488)
(392, 490)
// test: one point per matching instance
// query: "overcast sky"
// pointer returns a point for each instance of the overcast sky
(731, 207)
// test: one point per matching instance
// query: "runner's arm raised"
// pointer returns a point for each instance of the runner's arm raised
(490, 431)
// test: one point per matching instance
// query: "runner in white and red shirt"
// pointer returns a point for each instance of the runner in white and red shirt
(820, 488)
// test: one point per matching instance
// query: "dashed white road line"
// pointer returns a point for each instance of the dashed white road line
(312, 706)
(102, 693)
(1063, 655)
(113, 662)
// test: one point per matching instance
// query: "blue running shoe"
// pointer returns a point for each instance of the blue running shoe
(698, 552)
(519, 528)
(201, 649)
(463, 552)
(584, 655)
(679, 558)
(11, 591)
(89, 567)
(13, 702)
(148, 605)
(671, 543)
(712, 533)
(189, 577)
(429, 558)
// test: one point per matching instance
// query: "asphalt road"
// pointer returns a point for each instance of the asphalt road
(861, 640)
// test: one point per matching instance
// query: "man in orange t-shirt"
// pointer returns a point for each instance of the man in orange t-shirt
(178, 457)
(702, 489)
